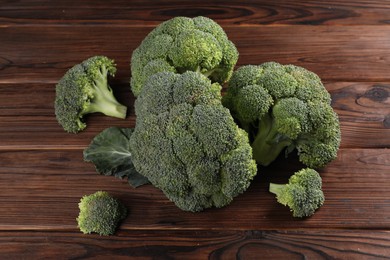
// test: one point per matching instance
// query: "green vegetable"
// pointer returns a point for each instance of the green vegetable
(284, 107)
(302, 194)
(110, 152)
(83, 90)
(181, 44)
(100, 213)
(187, 144)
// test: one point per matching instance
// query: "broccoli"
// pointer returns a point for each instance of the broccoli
(302, 194)
(181, 44)
(83, 90)
(284, 107)
(100, 213)
(187, 144)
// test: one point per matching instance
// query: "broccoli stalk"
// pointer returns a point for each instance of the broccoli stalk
(83, 90)
(268, 143)
(277, 189)
(302, 194)
(102, 97)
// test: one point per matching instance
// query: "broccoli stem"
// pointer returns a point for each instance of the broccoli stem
(276, 188)
(280, 191)
(108, 108)
(247, 127)
(104, 101)
(267, 146)
(207, 73)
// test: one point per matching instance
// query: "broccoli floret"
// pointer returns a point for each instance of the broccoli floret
(83, 90)
(302, 194)
(181, 44)
(100, 213)
(284, 107)
(187, 144)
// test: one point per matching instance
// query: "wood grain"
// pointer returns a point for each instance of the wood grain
(336, 53)
(150, 13)
(43, 175)
(364, 113)
(363, 109)
(41, 189)
(329, 244)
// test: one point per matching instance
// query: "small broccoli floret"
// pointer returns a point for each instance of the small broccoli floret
(284, 107)
(84, 90)
(187, 144)
(100, 213)
(302, 194)
(181, 44)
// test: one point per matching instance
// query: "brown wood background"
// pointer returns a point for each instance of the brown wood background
(43, 176)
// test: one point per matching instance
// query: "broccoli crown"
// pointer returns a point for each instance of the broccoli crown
(187, 144)
(100, 213)
(303, 193)
(284, 106)
(83, 90)
(181, 44)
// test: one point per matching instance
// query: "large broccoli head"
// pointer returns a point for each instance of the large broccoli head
(284, 107)
(83, 90)
(181, 44)
(302, 194)
(187, 144)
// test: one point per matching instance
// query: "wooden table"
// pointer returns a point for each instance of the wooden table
(43, 175)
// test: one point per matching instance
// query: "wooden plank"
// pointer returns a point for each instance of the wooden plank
(146, 13)
(335, 53)
(293, 244)
(43, 175)
(37, 99)
(28, 123)
(28, 118)
(40, 190)
(364, 113)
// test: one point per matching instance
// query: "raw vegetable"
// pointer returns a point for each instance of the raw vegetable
(302, 194)
(181, 44)
(83, 90)
(110, 152)
(284, 107)
(186, 143)
(100, 213)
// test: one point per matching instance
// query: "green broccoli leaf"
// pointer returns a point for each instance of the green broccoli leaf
(110, 152)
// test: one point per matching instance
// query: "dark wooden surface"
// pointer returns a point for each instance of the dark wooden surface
(43, 176)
